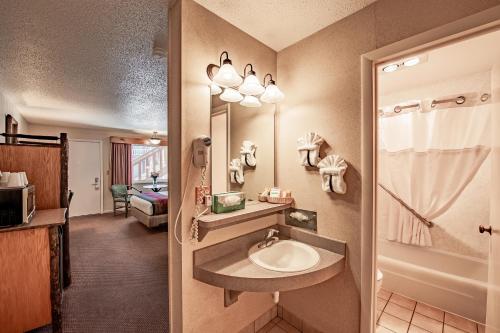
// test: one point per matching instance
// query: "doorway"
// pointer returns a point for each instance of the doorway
(480, 272)
(85, 176)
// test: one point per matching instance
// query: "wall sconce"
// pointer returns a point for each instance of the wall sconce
(235, 85)
(227, 76)
(251, 85)
(272, 94)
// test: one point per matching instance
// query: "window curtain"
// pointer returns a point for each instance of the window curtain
(426, 159)
(121, 163)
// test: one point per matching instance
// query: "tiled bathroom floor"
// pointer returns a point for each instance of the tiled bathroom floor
(399, 314)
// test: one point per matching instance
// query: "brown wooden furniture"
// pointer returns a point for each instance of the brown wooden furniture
(45, 161)
(11, 127)
(30, 288)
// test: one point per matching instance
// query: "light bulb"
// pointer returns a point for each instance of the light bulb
(272, 94)
(411, 62)
(155, 140)
(227, 76)
(250, 101)
(251, 86)
(231, 95)
(215, 89)
(390, 68)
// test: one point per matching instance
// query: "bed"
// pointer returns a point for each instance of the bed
(150, 208)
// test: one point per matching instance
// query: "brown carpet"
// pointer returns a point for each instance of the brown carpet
(119, 270)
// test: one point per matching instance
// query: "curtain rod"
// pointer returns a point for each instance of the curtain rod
(459, 100)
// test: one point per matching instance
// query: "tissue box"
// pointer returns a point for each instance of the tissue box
(228, 202)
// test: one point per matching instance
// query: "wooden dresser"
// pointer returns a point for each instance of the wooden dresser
(30, 286)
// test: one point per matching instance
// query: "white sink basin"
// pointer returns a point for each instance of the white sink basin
(284, 256)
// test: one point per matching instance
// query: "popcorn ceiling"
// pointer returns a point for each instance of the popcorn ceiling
(85, 62)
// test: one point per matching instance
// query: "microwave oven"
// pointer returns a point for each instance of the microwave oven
(17, 205)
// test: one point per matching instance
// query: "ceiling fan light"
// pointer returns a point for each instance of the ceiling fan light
(251, 102)
(231, 95)
(251, 86)
(272, 94)
(227, 76)
(155, 140)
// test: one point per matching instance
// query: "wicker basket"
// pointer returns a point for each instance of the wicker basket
(288, 200)
(262, 198)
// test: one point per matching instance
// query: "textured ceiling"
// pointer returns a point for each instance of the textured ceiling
(85, 62)
(281, 23)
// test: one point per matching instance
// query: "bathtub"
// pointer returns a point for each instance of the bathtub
(454, 283)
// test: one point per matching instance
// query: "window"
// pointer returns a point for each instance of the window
(147, 159)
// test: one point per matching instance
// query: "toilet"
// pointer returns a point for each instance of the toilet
(380, 277)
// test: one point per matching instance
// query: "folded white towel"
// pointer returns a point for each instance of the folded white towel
(236, 171)
(308, 147)
(247, 152)
(332, 169)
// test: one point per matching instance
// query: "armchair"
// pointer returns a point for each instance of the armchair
(121, 197)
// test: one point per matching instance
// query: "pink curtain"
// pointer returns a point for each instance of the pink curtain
(121, 163)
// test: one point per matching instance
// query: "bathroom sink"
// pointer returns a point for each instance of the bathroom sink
(284, 256)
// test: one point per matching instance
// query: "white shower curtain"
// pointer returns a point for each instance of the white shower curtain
(426, 159)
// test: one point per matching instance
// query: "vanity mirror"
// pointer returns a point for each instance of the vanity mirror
(246, 134)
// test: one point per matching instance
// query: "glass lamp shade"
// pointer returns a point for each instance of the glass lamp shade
(215, 89)
(231, 95)
(155, 140)
(250, 101)
(251, 86)
(272, 94)
(227, 77)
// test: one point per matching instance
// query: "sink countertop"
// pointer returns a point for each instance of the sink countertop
(232, 269)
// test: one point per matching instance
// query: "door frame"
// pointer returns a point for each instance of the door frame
(100, 170)
(465, 28)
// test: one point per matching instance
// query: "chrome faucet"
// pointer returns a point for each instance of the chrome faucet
(270, 239)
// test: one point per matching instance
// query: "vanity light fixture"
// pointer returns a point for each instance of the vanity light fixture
(411, 62)
(251, 102)
(226, 76)
(231, 95)
(272, 94)
(215, 89)
(251, 85)
(155, 140)
(390, 68)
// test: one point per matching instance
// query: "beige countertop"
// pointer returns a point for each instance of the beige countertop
(42, 219)
(227, 265)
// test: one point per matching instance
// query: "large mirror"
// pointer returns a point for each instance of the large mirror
(245, 134)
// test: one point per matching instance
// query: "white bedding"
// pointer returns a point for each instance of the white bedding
(143, 205)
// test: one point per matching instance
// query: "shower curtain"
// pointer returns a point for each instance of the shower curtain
(426, 159)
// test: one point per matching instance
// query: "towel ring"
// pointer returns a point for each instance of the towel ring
(308, 159)
(246, 160)
(330, 183)
(236, 178)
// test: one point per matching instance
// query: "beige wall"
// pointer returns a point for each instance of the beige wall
(90, 134)
(320, 76)
(7, 107)
(203, 36)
